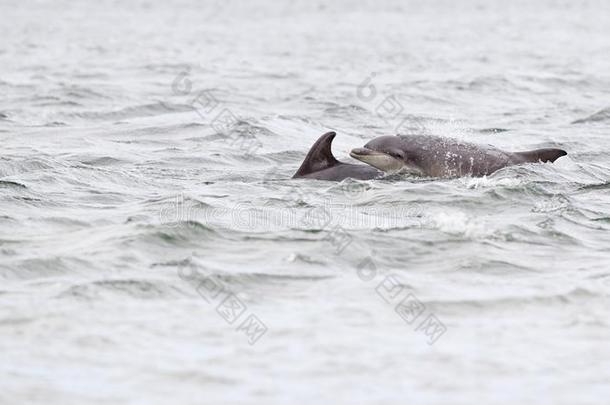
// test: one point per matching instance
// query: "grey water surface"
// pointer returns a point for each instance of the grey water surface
(154, 248)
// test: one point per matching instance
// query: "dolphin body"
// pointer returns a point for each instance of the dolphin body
(320, 164)
(435, 156)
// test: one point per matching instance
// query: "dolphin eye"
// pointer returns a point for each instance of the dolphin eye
(396, 154)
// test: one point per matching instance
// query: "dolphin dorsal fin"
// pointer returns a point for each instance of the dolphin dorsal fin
(319, 157)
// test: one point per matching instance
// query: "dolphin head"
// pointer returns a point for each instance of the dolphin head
(386, 153)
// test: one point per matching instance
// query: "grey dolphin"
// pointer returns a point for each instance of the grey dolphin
(320, 164)
(437, 156)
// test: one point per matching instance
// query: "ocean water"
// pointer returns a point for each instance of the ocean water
(154, 248)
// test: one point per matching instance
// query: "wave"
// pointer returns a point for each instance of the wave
(245, 128)
(178, 233)
(7, 183)
(194, 271)
(598, 186)
(577, 294)
(43, 267)
(103, 161)
(83, 93)
(600, 116)
(23, 166)
(143, 110)
(341, 110)
(243, 283)
(492, 130)
(140, 289)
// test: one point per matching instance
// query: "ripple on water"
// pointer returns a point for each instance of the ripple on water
(133, 288)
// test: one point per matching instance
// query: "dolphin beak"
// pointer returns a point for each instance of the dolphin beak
(380, 160)
(363, 153)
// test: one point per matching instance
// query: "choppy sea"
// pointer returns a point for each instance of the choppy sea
(154, 248)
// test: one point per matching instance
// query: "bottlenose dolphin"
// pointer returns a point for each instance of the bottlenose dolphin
(436, 156)
(321, 164)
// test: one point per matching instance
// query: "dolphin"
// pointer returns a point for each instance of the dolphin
(320, 164)
(435, 156)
